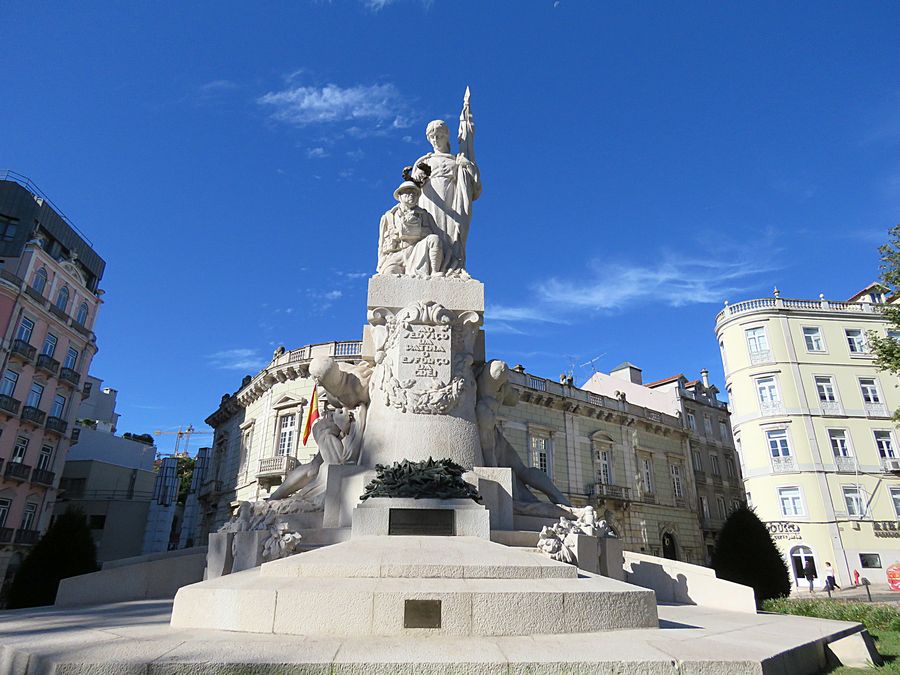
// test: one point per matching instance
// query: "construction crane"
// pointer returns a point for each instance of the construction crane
(185, 435)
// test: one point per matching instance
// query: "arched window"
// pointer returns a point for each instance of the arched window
(82, 313)
(62, 300)
(40, 280)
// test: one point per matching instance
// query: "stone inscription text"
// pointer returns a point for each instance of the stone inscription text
(425, 353)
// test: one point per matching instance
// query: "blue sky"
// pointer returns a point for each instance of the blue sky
(642, 162)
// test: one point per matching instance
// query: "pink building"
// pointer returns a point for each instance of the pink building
(48, 304)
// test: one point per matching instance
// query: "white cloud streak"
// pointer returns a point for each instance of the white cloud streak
(237, 359)
(307, 105)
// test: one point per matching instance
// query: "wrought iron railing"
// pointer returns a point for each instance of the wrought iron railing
(27, 537)
(17, 471)
(23, 349)
(9, 404)
(57, 425)
(42, 477)
(33, 415)
(6, 534)
(47, 363)
(69, 375)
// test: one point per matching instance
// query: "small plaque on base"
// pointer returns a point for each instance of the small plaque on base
(422, 522)
(422, 614)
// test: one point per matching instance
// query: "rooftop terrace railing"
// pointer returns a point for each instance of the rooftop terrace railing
(28, 184)
(798, 304)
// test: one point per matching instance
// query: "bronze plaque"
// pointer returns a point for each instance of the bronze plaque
(422, 614)
(422, 522)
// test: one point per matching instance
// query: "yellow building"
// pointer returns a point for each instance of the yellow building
(812, 424)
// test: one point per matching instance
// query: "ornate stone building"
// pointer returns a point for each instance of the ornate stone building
(630, 461)
(49, 298)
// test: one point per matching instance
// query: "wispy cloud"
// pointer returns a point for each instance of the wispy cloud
(675, 280)
(378, 5)
(376, 104)
(316, 153)
(237, 359)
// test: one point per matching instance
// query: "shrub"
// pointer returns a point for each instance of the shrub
(872, 616)
(66, 550)
(746, 554)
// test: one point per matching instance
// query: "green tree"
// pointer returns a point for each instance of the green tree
(185, 472)
(886, 349)
(746, 554)
(65, 550)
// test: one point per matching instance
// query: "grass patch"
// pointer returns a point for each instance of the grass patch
(882, 622)
(872, 616)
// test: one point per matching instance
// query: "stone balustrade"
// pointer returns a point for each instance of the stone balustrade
(789, 304)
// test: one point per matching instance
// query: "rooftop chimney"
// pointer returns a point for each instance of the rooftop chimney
(704, 377)
(628, 372)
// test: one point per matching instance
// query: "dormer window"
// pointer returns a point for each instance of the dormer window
(62, 299)
(40, 280)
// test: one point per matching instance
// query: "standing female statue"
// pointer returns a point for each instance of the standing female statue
(450, 182)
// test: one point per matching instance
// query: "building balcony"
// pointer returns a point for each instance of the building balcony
(210, 489)
(761, 357)
(17, 471)
(33, 415)
(22, 349)
(57, 425)
(6, 535)
(42, 477)
(27, 537)
(700, 475)
(783, 464)
(272, 470)
(76, 434)
(35, 294)
(607, 491)
(845, 463)
(831, 408)
(679, 502)
(649, 498)
(772, 408)
(48, 364)
(69, 376)
(86, 332)
(59, 313)
(890, 465)
(86, 389)
(716, 478)
(9, 405)
(6, 275)
(876, 410)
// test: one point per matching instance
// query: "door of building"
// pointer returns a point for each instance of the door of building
(799, 556)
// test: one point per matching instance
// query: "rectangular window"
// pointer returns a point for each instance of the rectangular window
(286, 434)
(778, 443)
(34, 396)
(676, 481)
(692, 421)
(28, 517)
(789, 499)
(540, 446)
(767, 391)
(19, 450)
(7, 229)
(813, 338)
(45, 458)
(825, 389)
(735, 504)
(885, 444)
(647, 465)
(714, 464)
(869, 390)
(895, 499)
(606, 467)
(704, 507)
(729, 467)
(26, 328)
(707, 426)
(757, 341)
(8, 387)
(855, 340)
(723, 432)
(723, 510)
(698, 460)
(855, 500)
(870, 561)
(839, 445)
(59, 406)
(5, 504)
(71, 358)
(49, 345)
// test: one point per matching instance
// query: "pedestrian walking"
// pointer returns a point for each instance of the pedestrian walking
(809, 571)
(830, 579)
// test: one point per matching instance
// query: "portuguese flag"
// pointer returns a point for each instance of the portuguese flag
(313, 414)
